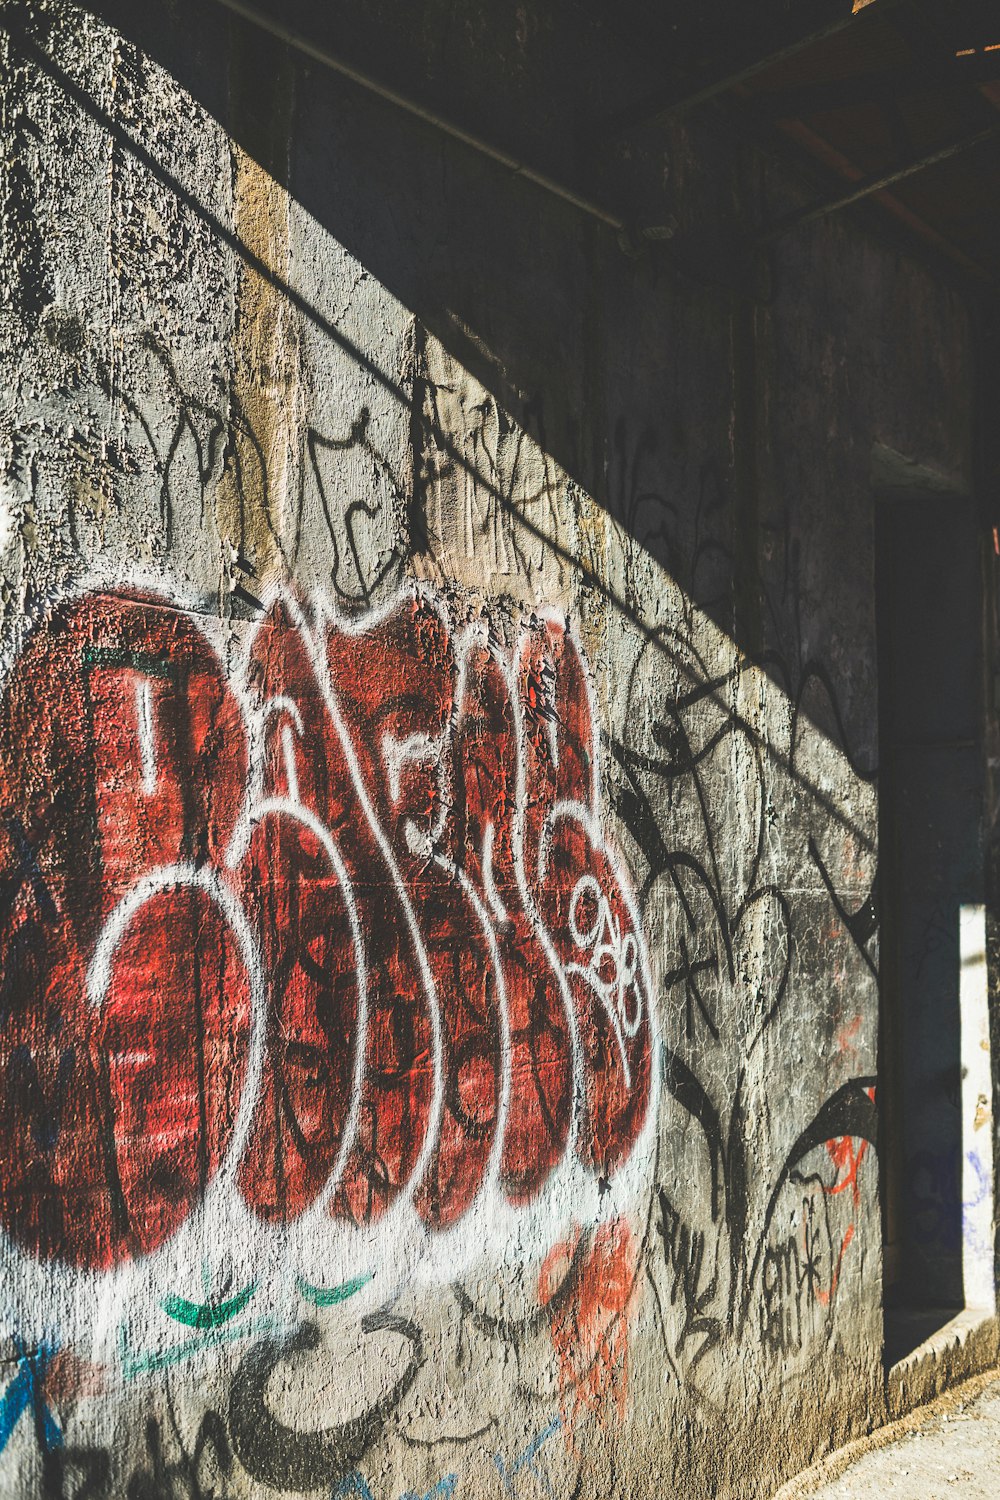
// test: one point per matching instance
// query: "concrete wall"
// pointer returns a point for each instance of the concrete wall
(438, 735)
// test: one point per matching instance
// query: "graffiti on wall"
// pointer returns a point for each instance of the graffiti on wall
(340, 934)
(322, 981)
(768, 936)
(323, 975)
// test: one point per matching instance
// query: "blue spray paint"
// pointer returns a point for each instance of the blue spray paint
(528, 1460)
(25, 1391)
(355, 1484)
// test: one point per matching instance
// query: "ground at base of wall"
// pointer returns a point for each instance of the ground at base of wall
(950, 1448)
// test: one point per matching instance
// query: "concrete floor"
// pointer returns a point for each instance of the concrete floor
(953, 1453)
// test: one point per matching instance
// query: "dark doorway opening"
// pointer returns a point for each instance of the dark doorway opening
(932, 965)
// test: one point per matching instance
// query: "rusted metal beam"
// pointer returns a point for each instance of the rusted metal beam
(791, 33)
(951, 77)
(869, 185)
(819, 151)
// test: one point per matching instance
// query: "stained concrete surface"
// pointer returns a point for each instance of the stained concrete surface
(953, 1451)
(260, 330)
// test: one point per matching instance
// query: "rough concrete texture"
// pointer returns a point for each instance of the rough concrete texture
(437, 748)
(950, 1449)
